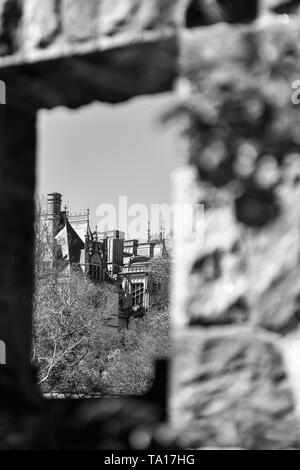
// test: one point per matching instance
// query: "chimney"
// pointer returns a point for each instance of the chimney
(53, 212)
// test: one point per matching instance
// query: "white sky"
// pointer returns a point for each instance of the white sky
(100, 152)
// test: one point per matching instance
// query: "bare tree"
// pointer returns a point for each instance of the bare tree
(70, 343)
(69, 331)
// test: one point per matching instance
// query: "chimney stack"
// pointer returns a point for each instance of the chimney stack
(53, 212)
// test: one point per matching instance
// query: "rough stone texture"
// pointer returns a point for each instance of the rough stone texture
(112, 75)
(230, 389)
(80, 19)
(240, 270)
(10, 25)
(57, 26)
(186, 248)
(258, 271)
(206, 12)
(291, 350)
(211, 287)
(274, 269)
(41, 24)
(116, 15)
(58, 42)
(230, 386)
(217, 282)
(123, 15)
(158, 14)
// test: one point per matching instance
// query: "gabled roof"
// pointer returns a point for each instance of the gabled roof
(69, 241)
(81, 225)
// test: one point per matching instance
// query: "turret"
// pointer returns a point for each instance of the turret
(53, 213)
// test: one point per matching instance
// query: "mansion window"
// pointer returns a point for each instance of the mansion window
(137, 294)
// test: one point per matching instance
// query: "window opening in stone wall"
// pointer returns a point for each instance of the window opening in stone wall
(100, 250)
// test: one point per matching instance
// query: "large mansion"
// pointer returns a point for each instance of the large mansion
(103, 256)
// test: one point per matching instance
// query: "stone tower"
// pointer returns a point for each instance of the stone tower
(53, 213)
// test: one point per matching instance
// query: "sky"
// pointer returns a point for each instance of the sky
(100, 152)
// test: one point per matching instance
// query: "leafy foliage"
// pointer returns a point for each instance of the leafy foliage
(130, 365)
(74, 349)
(160, 268)
(76, 352)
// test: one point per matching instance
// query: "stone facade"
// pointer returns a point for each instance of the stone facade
(235, 380)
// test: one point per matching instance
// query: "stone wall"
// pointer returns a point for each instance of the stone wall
(235, 383)
(235, 379)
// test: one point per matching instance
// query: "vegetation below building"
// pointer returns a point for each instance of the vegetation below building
(76, 352)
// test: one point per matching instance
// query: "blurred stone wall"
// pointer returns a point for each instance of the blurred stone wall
(235, 379)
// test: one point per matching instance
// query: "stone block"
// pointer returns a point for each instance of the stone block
(10, 21)
(118, 16)
(41, 24)
(218, 284)
(230, 390)
(157, 14)
(274, 269)
(80, 19)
